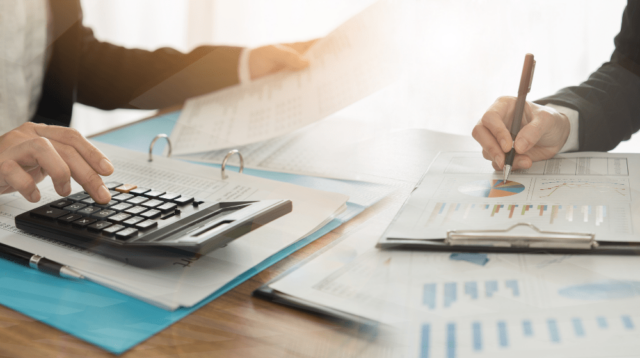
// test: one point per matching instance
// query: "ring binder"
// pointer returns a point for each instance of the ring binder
(512, 237)
(226, 158)
(153, 142)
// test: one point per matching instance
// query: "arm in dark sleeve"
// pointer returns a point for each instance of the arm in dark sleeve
(112, 77)
(608, 103)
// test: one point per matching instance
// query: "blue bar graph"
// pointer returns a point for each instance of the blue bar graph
(424, 347)
(451, 340)
(554, 334)
(527, 328)
(578, 328)
(627, 322)
(513, 285)
(503, 340)
(602, 322)
(429, 298)
(477, 336)
(491, 287)
(471, 289)
(450, 294)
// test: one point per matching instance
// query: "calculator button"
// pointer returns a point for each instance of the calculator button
(104, 213)
(183, 200)
(61, 203)
(88, 201)
(126, 233)
(69, 218)
(112, 229)
(169, 196)
(134, 220)
(152, 203)
(147, 224)
(151, 214)
(78, 196)
(108, 205)
(112, 185)
(118, 218)
(83, 222)
(114, 193)
(135, 210)
(121, 207)
(75, 207)
(154, 193)
(167, 207)
(88, 210)
(125, 188)
(99, 225)
(123, 197)
(49, 212)
(137, 200)
(139, 191)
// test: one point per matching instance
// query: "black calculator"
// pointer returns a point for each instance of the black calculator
(143, 218)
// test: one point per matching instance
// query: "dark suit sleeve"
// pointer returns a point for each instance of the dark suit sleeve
(608, 103)
(112, 76)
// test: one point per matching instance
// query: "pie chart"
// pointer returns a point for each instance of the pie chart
(491, 188)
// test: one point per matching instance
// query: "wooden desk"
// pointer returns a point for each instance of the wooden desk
(239, 325)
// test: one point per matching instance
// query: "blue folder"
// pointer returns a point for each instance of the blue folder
(117, 322)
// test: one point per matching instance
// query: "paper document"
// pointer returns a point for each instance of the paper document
(350, 63)
(180, 281)
(594, 193)
(498, 305)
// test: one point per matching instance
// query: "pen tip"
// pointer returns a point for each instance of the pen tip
(67, 272)
(506, 171)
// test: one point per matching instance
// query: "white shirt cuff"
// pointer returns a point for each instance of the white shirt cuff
(573, 142)
(244, 75)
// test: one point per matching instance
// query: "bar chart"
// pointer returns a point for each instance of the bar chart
(448, 212)
(488, 337)
(444, 295)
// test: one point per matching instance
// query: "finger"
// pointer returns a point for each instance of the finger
(494, 120)
(38, 174)
(302, 47)
(83, 173)
(489, 144)
(530, 134)
(289, 57)
(522, 161)
(69, 136)
(495, 166)
(13, 176)
(39, 152)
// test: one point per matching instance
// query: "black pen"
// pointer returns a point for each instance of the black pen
(37, 262)
(525, 87)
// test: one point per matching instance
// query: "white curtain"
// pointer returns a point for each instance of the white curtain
(464, 54)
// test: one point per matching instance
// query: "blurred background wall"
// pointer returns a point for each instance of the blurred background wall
(461, 55)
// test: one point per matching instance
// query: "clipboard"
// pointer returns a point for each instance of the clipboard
(410, 229)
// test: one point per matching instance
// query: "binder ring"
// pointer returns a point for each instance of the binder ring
(226, 158)
(153, 142)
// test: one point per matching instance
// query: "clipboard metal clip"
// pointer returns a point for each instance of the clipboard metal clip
(521, 235)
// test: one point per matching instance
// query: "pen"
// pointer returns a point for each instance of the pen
(37, 262)
(525, 87)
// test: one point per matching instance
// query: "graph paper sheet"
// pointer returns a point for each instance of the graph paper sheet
(352, 62)
(575, 193)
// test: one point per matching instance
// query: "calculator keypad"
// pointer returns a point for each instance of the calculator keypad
(132, 210)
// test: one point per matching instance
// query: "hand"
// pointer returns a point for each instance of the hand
(543, 133)
(31, 151)
(270, 59)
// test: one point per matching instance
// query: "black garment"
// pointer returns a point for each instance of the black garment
(83, 69)
(609, 101)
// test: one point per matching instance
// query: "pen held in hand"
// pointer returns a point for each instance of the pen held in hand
(525, 86)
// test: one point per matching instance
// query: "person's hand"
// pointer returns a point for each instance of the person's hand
(32, 151)
(543, 133)
(270, 59)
